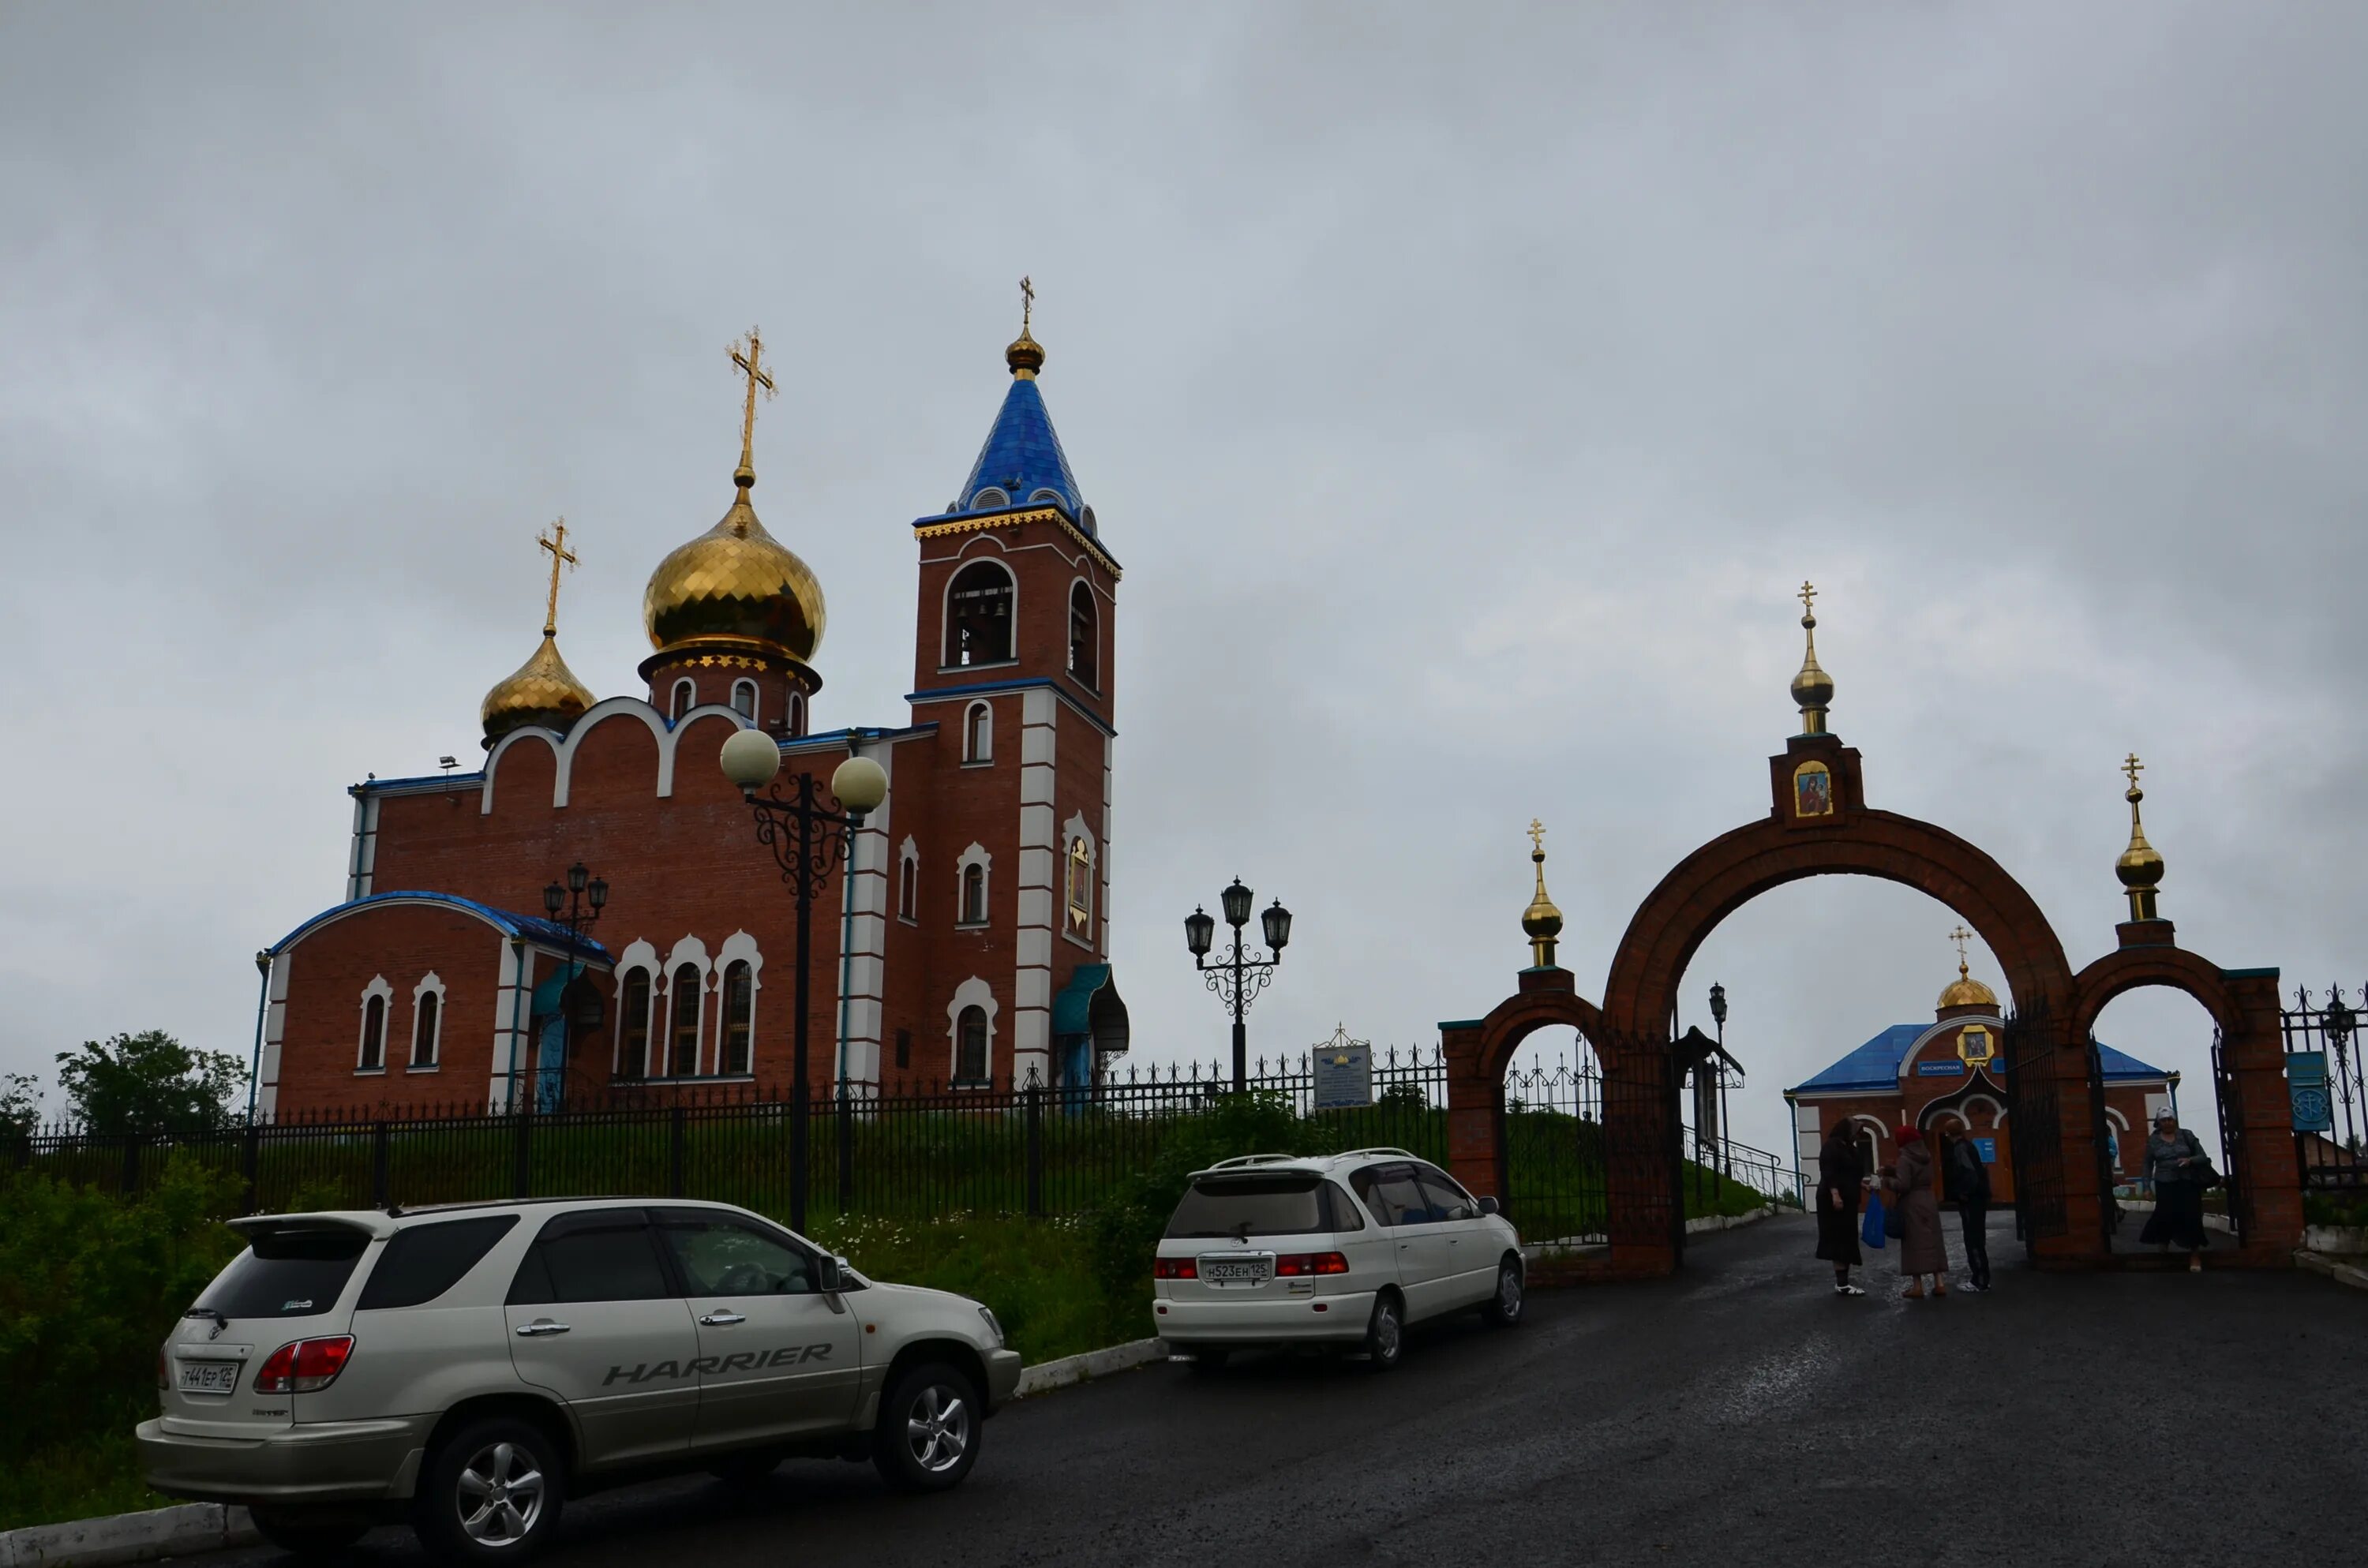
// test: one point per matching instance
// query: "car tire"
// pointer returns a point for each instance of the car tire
(930, 1426)
(309, 1532)
(1386, 1333)
(747, 1468)
(1504, 1309)
(1207, 1358)
(491, 1493)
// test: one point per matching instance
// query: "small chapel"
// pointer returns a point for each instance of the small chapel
(588, 918)
(1952, 1073)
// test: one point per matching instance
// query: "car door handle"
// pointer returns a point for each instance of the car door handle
(721, 1320)
(540, 1327)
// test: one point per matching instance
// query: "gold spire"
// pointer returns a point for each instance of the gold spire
(1965, 990)
(1026, 356)
(2140, 867)
(543, 690)
(1541, 921)
(752, 365)
(1813, 689)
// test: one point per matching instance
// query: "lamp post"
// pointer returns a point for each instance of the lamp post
(808, 840)
(1238, 976)
(582, 895)
(1718, 1017)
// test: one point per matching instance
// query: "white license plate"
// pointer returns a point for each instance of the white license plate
(1233, 1270)
(209, 1377)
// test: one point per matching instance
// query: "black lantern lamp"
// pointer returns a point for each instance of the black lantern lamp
(554, 899)
(1236, 901)
(597, 893)
(1277, 921)
(1718, 1004)
(1238, 976)
(577, 877)
(1199, 930)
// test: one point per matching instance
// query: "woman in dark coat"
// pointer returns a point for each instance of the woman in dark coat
(1841, 1178)
(2176, 1163)
(1908, 1183)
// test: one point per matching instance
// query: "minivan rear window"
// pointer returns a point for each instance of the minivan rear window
(1255, 1206)
(287, 1274)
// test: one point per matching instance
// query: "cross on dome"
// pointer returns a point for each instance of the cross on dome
(751, 364)
(559, 556)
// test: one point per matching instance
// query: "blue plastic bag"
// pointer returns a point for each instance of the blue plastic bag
(1869, 1230)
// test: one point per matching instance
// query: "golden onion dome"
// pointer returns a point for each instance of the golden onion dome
(735, 583)
(1541, 922)
(541, 691)
(1966, 992)
(1025, 355)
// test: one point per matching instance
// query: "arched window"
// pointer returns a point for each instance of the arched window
(978, 734)
(634, 1009)
(686, 698)
(973, 894)
(970, 1046)
(427, 1016)
(796, 714)
(373, 1051)
(739, 1011)
(978, 615)
(686, 1021)
(744, 699)
(1084, 636)
(908, 890)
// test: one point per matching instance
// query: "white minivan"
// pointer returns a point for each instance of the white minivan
(1337, 1250)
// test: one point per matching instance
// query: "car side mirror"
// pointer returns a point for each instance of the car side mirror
(1488, 1206)
(830, 1274)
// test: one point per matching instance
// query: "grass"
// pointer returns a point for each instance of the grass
(84, 1480)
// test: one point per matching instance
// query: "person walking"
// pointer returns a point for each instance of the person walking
(1922, 1252)
(2179, 1168)
(1966, 1180)
(1842, 1178)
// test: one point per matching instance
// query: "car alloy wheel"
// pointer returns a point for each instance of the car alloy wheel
(1385, 1335)
(937, 1428)
(501, 1496)
(1504, 1308)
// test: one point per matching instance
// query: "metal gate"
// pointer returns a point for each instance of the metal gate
(1551, 1140)
(2034, 1126)
(2230, 1097)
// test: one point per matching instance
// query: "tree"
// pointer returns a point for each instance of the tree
(148, 1082)
(20, 1103)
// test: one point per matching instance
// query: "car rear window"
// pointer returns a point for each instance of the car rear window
(422, 1263)
(287, 1274)
(1252, 1206)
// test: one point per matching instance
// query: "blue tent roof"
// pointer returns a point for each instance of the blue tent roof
(531, 927)
(1874, 1066)
(1022, 456)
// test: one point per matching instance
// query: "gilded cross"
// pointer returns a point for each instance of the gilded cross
(1026, 304)
(1961, 937)
(559, 556)
(1537, 835)
(751, 364)
(2132, 766)
(1808, 597)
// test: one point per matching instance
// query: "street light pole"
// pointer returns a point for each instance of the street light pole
(582, 888)
(1237, 977)
(790, 826)
(1718, 1017)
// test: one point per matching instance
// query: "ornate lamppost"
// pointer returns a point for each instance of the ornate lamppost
(584, 896)
(808, 841)
(1718, 1017)
(575, 903)
(1238, 976)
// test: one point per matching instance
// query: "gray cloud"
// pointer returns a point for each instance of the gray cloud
(1465, 390)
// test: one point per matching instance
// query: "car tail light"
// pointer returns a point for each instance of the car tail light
(1305, 1262)
(1175, 1268)
(306, 1366)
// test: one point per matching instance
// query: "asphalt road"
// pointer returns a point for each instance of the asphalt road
(1739, 1412)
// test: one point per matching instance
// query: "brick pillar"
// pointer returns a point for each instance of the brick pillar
(2270, 1179)
(1475, 1104)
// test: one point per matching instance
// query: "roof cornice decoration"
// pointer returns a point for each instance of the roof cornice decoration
(979, 522)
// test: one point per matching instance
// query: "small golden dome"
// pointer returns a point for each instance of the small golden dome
(1026, 356)
(1966, 992)
(735, 583)
(1541, 922)
(541, 691)
(1813, 689)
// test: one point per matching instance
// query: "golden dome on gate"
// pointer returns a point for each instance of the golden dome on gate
(735, 585)
(1966, 992)
(541, 691)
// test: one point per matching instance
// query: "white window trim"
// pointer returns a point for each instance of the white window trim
(738, 948)
(975, 854)
(1093, 597)
(692, 951)
(432, 984)
(754, 713)
(638, 954)
(795, 714)
(982, 755)
(950, 657)
(678, 710)
(971, 993)
(379, 988)
(908, 859)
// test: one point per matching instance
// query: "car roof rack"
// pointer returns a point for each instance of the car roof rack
(1386, 1149)
(1240, 1161)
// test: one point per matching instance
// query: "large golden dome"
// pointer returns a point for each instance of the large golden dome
(735, 585)
(541, 691)
(1966, 992)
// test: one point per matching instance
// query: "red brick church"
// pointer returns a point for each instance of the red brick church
(965, 943)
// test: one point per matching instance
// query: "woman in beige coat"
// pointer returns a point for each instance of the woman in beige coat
(1908, 1187)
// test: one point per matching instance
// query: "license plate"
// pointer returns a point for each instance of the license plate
(209, 1377)
(1233, 1270)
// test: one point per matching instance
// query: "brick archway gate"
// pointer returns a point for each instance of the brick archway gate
(1828, 830)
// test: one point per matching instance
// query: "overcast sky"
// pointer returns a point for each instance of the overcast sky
(1466, 390)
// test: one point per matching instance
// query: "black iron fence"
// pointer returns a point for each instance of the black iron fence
(2329, 1099)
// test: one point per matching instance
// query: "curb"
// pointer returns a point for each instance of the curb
(1728, 1222)
(1077, 1369)
(2342, 1273)
(128, 1537)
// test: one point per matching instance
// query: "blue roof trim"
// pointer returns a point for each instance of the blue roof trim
(1873, 1068)
(1022, 454)
(947, 693)
(527, 928)
(419, 781)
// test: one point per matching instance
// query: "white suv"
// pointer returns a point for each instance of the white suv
(472, 1368)
(1339, 1250)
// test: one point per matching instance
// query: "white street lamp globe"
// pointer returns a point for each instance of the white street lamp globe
(750, 759)
(861, 785)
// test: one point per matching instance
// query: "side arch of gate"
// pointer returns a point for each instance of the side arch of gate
(2249, 1074)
